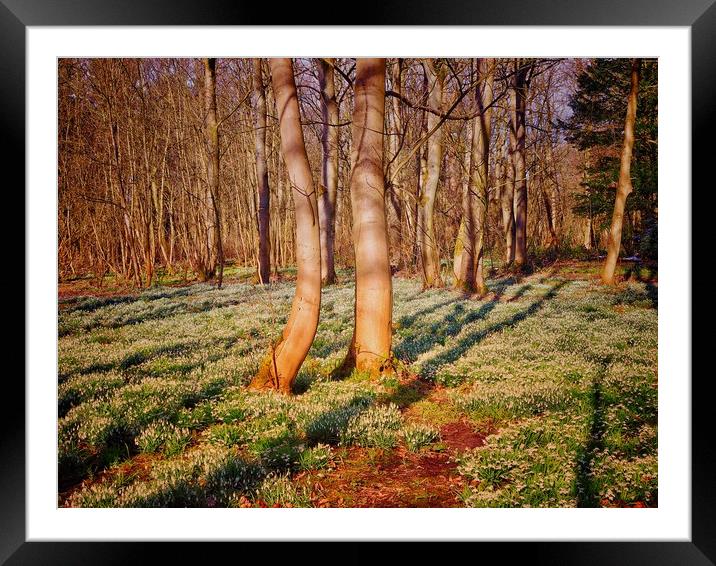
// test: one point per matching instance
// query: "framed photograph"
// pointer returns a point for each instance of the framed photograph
(122, 101)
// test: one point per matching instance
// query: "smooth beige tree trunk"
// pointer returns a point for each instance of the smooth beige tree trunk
(329, 170)
(588, 228)
(588, 234)
(370, 347)
(264, 194)
(429, 254)
(624, 186)
(470, 278)
(281, 365)
(458, 267)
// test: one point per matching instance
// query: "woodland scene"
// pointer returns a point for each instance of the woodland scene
(367, 282)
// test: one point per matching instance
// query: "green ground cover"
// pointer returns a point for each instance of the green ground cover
(562, 372)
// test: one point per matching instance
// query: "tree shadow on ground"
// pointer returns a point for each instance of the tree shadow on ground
(142, 355)
(406, 394)
(430, 367)
(635, 272)
(91, 304)
(420, 340)
(163, 312)
(410, 319)
(586, 493)
(324, 347)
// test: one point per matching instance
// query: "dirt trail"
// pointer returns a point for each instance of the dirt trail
(372, 477)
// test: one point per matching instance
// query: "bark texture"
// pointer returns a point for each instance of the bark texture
(429, 254)
(370, 347)
(518, 134)
(394, 187)
(262, 179)
(624, 186)
(281, 365)
(329, 170)
(469, 272)
(507, 202)
(214, 251)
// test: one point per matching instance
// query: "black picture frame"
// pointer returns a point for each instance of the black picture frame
(699, 15)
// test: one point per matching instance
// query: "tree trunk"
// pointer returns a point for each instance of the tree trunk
(461, 238)
(470, 277)
(430, 257)
(211, 132)
(370, 347)
(508, 206)
(395, 188)
(624, 186)
(552, 198)
(281, 365)
(264, 194)
(458, 267)
(517, 136)
(588, 233)
(329, 170)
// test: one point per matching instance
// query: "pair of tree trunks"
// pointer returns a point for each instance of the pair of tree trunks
(513, 196)
(329, 171)
(624, 186)
(371, 342)
(469, 272)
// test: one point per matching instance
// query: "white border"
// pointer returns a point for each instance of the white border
(671, 521)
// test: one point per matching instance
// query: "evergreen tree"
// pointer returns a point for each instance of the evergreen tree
(596, 125)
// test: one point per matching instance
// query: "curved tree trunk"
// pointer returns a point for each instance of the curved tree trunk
(624, 186)
(370, 347)
(430, 257)
(470, 278)
(329, 170)
(281, 365)
(262, 179)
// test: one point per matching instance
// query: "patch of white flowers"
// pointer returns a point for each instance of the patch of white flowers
(512, 399)
(418, 435)
(164, 372)
(530, 463)
(164, 435)
(279, 491)
(377, 426)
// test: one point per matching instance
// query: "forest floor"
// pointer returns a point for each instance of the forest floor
(541, 394)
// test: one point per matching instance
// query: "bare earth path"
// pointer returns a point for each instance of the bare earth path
(375, 477)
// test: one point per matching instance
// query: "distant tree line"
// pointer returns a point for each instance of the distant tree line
(175, 165)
